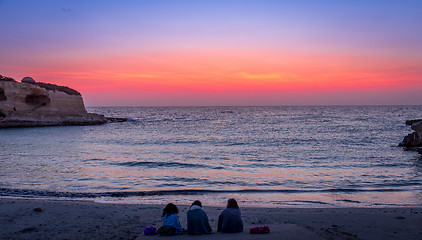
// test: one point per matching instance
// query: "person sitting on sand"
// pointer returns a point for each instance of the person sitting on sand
(198, 222)
(171, 219)
(230, 220)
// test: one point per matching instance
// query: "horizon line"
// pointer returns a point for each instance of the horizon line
(345, 105)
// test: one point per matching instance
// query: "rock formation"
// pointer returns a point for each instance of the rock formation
(29, 103)
(413, 141)
(410, 122)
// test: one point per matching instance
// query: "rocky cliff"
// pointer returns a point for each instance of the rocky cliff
(413, 141)
(29, 103)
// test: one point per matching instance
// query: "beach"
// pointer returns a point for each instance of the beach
(307, 113)
(75, 219)
(306, 172)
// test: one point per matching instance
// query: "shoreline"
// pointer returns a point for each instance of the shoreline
(24, 218)
(251, 198)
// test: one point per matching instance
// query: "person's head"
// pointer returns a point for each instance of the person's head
(232, 203)
(170, 209)
(197, 202)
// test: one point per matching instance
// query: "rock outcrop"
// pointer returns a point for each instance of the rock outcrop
(30, 103)
(417, 126)
(413, 141)
(410, 122)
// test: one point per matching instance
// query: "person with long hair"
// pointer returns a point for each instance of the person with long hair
(230, 219)
(198, 222)
(171, 219)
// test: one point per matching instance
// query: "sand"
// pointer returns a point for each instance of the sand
(64, 219)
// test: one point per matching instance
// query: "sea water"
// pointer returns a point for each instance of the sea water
(330, 156)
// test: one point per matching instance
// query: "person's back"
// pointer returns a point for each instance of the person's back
(171, 219)
(198, 222)
(230, 220)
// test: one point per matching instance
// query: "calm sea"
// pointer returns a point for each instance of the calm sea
(263, 156)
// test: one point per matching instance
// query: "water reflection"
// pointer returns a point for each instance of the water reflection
(311, 150)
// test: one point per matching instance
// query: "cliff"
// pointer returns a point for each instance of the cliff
(413, 141)
(30, 104)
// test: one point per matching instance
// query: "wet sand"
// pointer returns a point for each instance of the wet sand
(64, 219)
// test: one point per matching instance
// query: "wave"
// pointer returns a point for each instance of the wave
(10, 192)
(130, 119)
(168, 120)
(347, 201)
(163, 164)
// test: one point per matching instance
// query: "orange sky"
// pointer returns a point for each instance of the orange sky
(249, 55)
(228, 74)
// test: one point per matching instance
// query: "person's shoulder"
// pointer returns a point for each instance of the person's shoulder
(226, 210)
(190, 211)
(196, 211)
(233, 210)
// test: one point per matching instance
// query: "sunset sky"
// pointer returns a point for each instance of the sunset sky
(218, 52)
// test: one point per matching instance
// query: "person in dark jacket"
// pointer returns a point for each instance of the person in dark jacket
(230, 220)
(198, 222)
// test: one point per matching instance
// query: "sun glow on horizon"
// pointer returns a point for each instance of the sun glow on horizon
(250, 55)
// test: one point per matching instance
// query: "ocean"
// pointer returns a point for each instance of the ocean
(327, 156)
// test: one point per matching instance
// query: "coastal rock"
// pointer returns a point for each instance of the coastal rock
(417, 126)
(28, 80)
(413, 140)
(115, 119)
(410, 122)
(29, 104)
